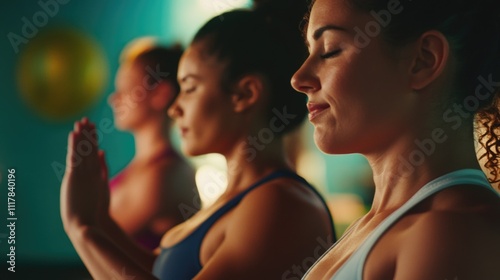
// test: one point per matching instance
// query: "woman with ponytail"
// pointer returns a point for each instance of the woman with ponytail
(407, 84)
(235, 99)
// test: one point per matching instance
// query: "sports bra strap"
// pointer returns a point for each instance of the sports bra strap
(237, 199)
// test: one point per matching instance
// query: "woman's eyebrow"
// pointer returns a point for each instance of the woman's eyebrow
(319, 32)
(189, 76)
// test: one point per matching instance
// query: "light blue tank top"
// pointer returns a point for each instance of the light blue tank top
(352, 269)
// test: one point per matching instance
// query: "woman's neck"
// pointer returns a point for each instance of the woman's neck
(150, 140)
(246, 164)
(411, 163)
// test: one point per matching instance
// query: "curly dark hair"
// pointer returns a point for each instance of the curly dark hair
(489, 123)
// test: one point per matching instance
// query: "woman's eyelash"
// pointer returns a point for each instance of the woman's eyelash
(330, 54)
(189, 90)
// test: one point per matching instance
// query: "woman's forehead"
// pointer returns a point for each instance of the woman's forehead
(197, 60)
(334, 12)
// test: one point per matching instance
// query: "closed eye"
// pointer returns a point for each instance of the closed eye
(189, 90)
(331, 54)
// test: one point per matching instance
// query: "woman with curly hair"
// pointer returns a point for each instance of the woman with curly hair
(402, 82)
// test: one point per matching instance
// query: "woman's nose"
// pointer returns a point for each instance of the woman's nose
(304, 80)
(174, 110)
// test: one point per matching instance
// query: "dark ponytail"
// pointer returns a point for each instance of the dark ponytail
(265, 41)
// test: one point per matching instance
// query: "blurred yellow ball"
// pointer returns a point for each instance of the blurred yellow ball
(61, 73)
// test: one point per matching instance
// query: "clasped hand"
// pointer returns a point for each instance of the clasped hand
(84, 189)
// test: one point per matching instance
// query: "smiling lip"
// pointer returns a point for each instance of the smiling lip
(315, 109)
(183, 131)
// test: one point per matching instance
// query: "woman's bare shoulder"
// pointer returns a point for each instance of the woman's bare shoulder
(285, 192)
(461, 211)
(288, 202)
(457, 236)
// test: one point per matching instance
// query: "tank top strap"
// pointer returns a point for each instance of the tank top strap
(353, 267)
(293, 175)
(205, 226)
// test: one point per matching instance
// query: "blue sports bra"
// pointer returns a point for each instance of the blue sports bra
(353, 267)
(181, 261)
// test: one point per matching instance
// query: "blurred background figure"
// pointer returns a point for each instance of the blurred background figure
(147, 196)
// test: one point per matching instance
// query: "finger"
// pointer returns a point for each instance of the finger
(90, 132)
(93, 133)
(89, 127)
(85, 123)
(70, 152)
(84, 152)
(104, 167)
(87, 139)
(77, 126)
(91, 137)
(73, 158)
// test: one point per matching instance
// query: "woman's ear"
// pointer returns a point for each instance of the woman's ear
(247, 93)
(162, 95)
(432, 53)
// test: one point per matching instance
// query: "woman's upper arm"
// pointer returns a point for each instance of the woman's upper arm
(449, 246)
(269, 232)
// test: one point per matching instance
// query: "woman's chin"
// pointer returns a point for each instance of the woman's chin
(322, 142)
(326, 149)
(190, 151)
(327, 145)
(118, 125)
(121, 126)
